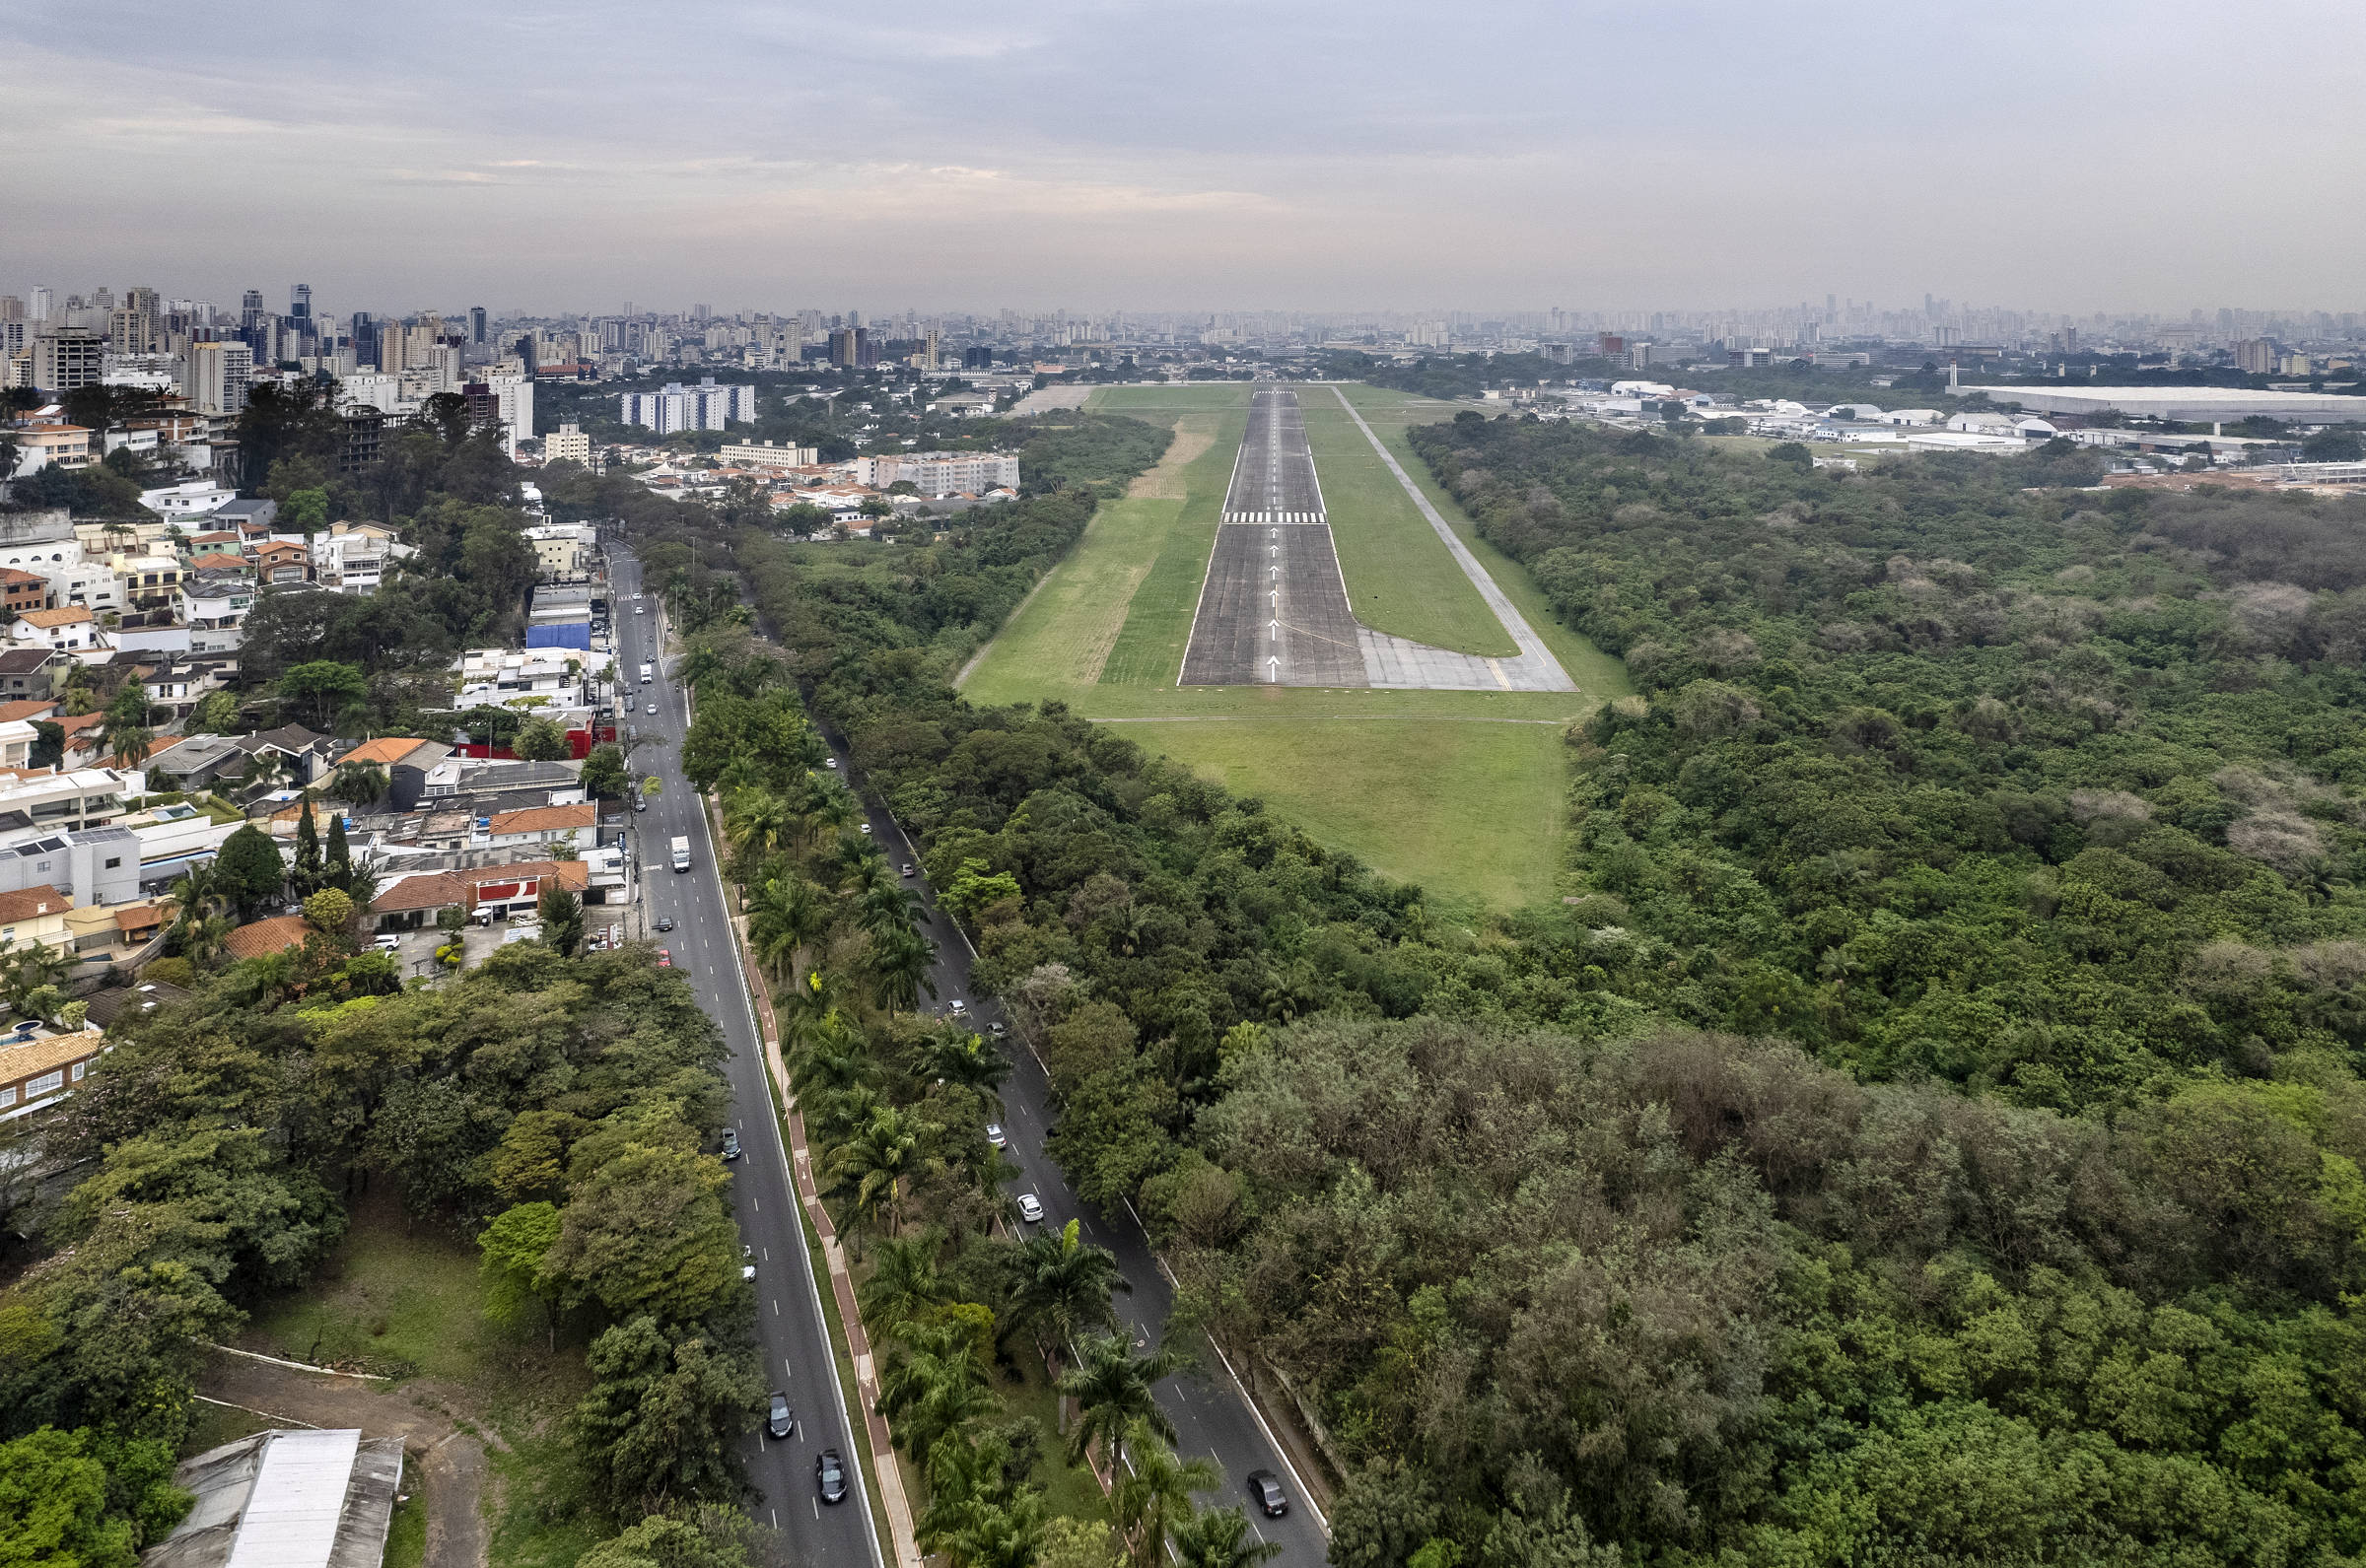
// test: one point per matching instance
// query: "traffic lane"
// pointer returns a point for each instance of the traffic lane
(797, 1358)
(1211, 1412)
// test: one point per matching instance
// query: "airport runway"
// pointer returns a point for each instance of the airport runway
(1274, 607)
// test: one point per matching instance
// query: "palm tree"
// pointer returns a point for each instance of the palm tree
(837, 810)
(899, 967)
(1153, 1493)
(742, 771)
(875, 1164)
(986, 1534)
(1112, 1387)
(33, 968)
(124, 736)
(933, 1385)
(702, 663)
(202, 939)
(888, 905)
(904, 1281)
(1064, 1285)
(1212, 1537)
(954, 1055)
(785, 914)
(829, 1059)
(758, 820)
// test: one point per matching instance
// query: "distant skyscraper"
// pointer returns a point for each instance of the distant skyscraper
(214, 376)
(38, 308)
(65, 358)
(705, 406)
(251, 310)
(300, 305)
(476, 324)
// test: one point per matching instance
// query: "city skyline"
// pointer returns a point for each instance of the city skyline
(1199, 157)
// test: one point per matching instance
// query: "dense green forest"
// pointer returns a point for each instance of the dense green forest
(554, 1109)
(1931, 1134)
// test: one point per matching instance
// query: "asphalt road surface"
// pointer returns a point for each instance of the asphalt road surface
(790, 1327)
(1210, 1410)
(1274, 606)
(1212, 1413)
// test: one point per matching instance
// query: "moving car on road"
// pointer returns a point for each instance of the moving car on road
(996, 1137)
(829, 1474)
(731, 1144)
(1030, 1209)
(665, 922)
(908, 870)
(664, 958)
(1266, 1492)
(779, 1419)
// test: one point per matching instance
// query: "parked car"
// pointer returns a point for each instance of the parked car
(640, 802)
(996, 1137)
(664, 958)
(957, 1008)
(1030, 1209)
(866, 830)
(996, 1030)
(748, 1263)
(830, 763)
(731, 1143)
(1266, 1492)
(387, 944)
(829, 1474)
(779, 1419)
(909, 870)
(665, 922)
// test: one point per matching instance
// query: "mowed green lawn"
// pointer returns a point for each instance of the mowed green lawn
(1470, 811)
(1124, 598)
(1401, 577)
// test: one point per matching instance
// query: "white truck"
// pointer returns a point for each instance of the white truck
(681, 853)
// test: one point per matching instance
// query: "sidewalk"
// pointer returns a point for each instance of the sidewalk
(842, 1284)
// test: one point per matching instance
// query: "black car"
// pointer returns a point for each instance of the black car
(665, 922)
(779, 1419)
(829, 1474)
(731, 1144)
(1266, 1492)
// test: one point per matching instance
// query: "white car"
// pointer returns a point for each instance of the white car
(994, 1136)
(1030, 1209)
(866, 830)
(957, 1008)
(653, 709)
(388, 943)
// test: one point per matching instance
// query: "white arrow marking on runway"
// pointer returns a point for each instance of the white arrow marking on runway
(1276, 665)
(1275, 596)
(1272, 631)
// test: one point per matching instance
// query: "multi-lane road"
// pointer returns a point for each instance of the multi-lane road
(1212, 1413)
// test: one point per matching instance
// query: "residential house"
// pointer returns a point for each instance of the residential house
(349, 562)
(21, 590)
(51, 444)
(71, 632)
(39, 1067)
(200, 762)
(35, 916)
(96, 867)
(411, 900)
(148, 586)
(171, 839)
(111, 1006)
(569, 827)
(416, 770)
(280, 562)
(216, 594)
(31, 673)
(18, 738)
(262, 938)
(86, 584)
(249, 518)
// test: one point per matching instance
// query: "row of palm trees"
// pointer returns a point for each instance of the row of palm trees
(893, 1105)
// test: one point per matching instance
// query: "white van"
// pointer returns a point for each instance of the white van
(649, 672)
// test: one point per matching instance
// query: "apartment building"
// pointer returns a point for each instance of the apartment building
(676, 407)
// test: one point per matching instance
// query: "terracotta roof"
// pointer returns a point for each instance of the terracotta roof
(12, 576)
(385, 752)
(265, 937)
(213, 539)
(208, 562)
(573, 875)
(37, 1057)
(32, 903)
(30, 709)
(544, 819)
(424, 890)
(75, 723)
(70, 616)
(138, 918)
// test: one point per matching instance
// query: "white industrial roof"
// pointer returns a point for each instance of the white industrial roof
(299, 1497)
(2180, 402)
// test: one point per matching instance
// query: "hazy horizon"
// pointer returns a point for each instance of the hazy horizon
(1212, 157)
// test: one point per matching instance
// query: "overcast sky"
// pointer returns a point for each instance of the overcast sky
(1188, 153)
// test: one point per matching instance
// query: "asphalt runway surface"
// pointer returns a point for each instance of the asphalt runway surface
(1273, 608)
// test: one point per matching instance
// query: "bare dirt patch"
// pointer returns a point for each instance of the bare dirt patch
(1165, 482)
(440, 1436)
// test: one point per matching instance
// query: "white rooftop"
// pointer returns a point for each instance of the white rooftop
(299, 1498)
(2179, 402)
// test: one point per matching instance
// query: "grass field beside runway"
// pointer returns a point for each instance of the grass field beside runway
(1459, 791)
(1599, 675)
(1071, 632)
(1469, 811)
(1401, 577)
